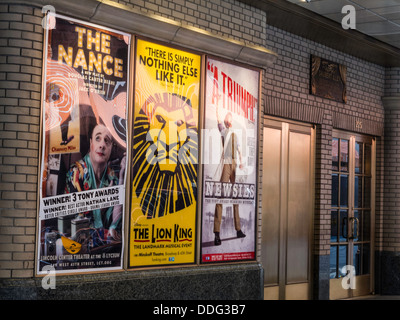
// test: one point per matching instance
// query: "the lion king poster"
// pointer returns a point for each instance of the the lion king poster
(164, 156)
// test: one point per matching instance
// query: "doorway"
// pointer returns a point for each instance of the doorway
(287, 209)
(352, 215)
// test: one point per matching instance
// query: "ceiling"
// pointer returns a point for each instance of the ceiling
(379, 19)
(375, 39)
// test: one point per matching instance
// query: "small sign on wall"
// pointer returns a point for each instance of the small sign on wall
(328, 79)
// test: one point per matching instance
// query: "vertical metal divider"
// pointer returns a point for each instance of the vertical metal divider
(283, 211)
(41, 141)
(338, 212)
(258, 200)
(351, 188)
(129, 144)
(372, 218)
(199, 220)
(312, 215)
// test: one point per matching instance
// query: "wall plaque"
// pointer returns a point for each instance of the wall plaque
(328, 79)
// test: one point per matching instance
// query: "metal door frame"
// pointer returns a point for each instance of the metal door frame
(364, 284)
(284, 290)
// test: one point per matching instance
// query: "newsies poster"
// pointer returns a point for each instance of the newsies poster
(229, 163)
(82, 182)
(164, 156)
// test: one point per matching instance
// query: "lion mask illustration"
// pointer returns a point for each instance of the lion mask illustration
(165, 155)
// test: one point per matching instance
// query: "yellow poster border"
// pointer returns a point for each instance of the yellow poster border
(200, 93)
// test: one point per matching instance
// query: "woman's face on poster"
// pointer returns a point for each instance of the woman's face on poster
(100, 145)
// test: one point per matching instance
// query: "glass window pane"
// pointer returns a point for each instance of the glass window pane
(358, 191)
(344, 180)
(344, 155)
(367, 159)
(357, 226)
(333, 262)
(342, 261)
(358, 157)
(365, 258)
(367, 192)
(335, 190)
(357, 259)
(334, 226)
(366, 226)
(335, 154)
(343, 225)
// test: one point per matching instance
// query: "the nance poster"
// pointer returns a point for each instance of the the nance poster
(164, 156)
(82, 182)
(229, 145)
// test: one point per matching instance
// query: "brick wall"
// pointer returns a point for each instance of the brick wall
(392, 82)
(20, 86)
(287, 83)
(389, 222)
(322, 213)
(227, 18)
(289, 78)
(391, 235)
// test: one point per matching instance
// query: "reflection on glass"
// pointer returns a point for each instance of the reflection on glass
(344, 155)
(357, 259)
(335, 154)
(350, 222)
(334, 226)
(366, 225)
(333, 262)
(344, 222)
(342, 261)
(367, 192)
(335, 190)
(367, 159)
(358, 157)
(358, 192)
(356, 230)
(365, 258)
(344, 180)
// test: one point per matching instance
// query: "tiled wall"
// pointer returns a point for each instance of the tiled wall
(287, 85)
(21, 37)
